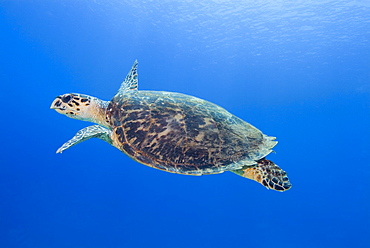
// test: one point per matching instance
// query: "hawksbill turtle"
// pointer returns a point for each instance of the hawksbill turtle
(174, 132)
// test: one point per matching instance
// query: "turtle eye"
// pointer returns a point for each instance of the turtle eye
(66, 98)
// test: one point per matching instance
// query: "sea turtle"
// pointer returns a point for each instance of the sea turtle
(174, 132)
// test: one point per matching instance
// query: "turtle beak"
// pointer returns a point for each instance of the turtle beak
(56, 103)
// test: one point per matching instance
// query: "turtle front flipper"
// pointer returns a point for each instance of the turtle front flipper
(130, 82)
(268, 174)
(95, 131)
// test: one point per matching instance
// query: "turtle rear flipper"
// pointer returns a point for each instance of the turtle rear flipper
(268, 174)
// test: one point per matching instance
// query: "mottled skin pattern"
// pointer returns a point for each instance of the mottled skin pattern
(183, 134)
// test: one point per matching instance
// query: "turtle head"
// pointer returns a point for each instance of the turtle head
(80, 107)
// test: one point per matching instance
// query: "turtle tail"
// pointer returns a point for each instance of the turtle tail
(266, 173)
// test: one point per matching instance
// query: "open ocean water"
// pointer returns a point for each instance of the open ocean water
(297, 70)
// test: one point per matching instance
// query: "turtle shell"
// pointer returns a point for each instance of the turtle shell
(183, 134)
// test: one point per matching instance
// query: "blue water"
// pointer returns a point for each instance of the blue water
(297, 70)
